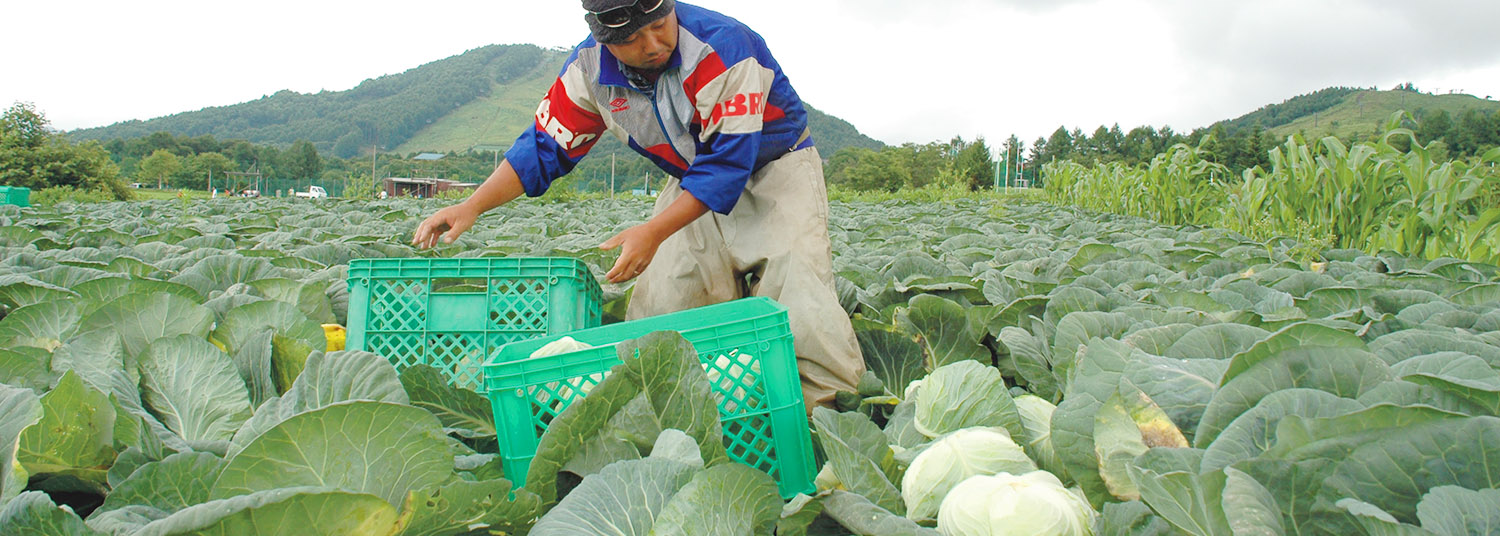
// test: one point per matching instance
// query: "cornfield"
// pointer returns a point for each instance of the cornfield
(1393, 194)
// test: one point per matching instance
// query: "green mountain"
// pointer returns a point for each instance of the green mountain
(1351, 112)
(480, 99)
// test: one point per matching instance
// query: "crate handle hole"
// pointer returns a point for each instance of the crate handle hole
(459, 285)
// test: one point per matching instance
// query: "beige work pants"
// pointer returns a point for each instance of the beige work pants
(773, 244)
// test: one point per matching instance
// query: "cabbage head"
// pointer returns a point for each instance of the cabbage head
(560, 346)
(564, 389)
(955, 457)
(962, 395)
(1036, 417)
(1034, 503)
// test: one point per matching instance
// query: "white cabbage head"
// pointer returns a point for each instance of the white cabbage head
(1034, 503)
(560, 346)
(911, 389)
(564, 389)
(963, 395)
(955, 457)
(1036, 417)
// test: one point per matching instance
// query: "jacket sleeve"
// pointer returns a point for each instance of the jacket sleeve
(731, 105)
(567, 125)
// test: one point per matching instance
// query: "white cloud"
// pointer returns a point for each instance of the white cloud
(900, 71)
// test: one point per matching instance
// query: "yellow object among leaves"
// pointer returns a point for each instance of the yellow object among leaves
(335, 335)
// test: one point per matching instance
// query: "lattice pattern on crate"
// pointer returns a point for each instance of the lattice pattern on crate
(460, 356)
(749, 442)
(519, 304)
(550, 399)
(502, 338)
(735, 378)
(401, 349)
(398, 305)
(736, 382)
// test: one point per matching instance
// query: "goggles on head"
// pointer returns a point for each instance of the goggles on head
(620, 16)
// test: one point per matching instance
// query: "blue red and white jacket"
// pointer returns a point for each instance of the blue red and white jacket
(720, 111)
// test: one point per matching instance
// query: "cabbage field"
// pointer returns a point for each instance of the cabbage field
(1032, 370)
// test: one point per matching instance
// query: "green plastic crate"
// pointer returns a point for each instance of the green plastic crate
(764, 418)
(451, 313)
(15, 195)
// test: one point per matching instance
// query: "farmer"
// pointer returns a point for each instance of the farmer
(745, 212)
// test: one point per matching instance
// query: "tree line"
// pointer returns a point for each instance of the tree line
(1237, 149)
(972, 164)
(165, 160)
(1470, 134)
(957, 163)
(35, 156)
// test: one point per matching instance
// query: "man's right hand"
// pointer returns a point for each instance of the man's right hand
(500, 188)
(447, 223)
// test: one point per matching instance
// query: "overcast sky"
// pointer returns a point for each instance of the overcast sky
(900, 71)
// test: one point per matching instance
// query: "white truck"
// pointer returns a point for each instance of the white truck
(313, 192)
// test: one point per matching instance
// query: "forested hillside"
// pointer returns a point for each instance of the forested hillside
(385, 111)
(1356, 113)
(476, 99)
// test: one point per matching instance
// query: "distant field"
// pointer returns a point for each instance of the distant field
(1364, 112)
(148, 194)
(495, 119)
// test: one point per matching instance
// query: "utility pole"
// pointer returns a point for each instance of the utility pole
(1009, 170)
(997, 174)
(1008, 182)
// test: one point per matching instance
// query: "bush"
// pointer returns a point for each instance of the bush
(34, 156)
(565, 190)
(361, 187)
(933, 193)
(454, 195)
(48, 197)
